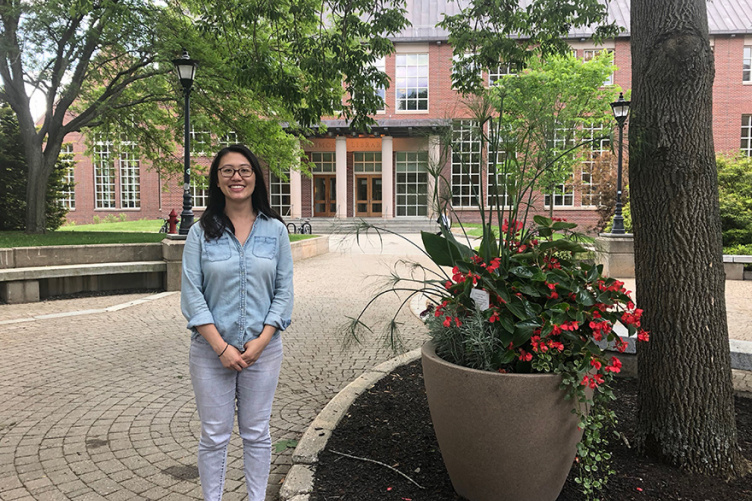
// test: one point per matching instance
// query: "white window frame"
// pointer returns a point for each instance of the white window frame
(589, 54)
(367, 162)
(228, 139)
(563, 194)
(380, 64)
(466, 163)
(747, 65)
(498, 73)
(592, 152)
(746, 135)
(405, 82)
(68, 196)
(104, 174)
(200, 142)
(199, 192)
(405, 164)
(130, 176)
(279, 194)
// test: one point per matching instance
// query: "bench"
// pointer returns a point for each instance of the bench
(29, 284)
(734, 266)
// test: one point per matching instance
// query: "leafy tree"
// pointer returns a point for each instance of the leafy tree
(685, 403)
(105, 68)
(735, 194)
(14, 175)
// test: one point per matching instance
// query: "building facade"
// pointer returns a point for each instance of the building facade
(384, 174)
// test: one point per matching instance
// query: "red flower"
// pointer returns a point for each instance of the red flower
(643, 335)
(525, 357)
(615, 366)
(447, 322)
(595, 363)
(494, 317)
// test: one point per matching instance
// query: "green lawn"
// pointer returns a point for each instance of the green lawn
(100, 236)
(140, 226)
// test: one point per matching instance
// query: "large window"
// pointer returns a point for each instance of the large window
(68, 195)
(200, 142)
(380, 64)
(412, 82)
(591, 53)
(412, 183)
(130, 176)
(499, 181)
(228, 139)
(199, 190)
(747, 135)
(563, 194)
(323, 162)
(104, 174)
(498, 72)
(279, 193)
(466, 161)
(592, 152)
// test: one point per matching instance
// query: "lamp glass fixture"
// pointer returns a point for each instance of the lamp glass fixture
(185, 66)
(620, 107)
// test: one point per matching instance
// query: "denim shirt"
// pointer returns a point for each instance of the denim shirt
(238, 288)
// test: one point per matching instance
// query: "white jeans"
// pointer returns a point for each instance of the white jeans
(217, 391)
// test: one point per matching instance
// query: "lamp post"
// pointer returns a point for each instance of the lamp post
(186, 70)
(620, 108)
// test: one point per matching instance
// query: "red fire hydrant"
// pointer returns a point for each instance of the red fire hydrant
(172, 220)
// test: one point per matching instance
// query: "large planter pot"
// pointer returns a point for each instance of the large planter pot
(503, 437)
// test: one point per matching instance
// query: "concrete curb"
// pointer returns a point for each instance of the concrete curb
(298, 483)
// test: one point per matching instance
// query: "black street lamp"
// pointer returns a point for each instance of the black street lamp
(186, 69)
(621, 110)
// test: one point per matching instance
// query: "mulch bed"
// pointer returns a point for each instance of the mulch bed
(391, 423)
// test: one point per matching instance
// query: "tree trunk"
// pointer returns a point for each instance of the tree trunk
(36, 191)
(686, 408)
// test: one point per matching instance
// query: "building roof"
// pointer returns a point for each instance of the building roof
(724, 17)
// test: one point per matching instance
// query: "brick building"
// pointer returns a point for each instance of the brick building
(383, 173)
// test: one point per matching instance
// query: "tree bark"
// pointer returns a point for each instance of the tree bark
(686, 408)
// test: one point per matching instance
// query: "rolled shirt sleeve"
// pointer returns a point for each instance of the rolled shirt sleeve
(280, 311)
(192, 301)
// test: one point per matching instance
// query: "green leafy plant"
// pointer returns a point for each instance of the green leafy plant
(735, 195)
(525, 300)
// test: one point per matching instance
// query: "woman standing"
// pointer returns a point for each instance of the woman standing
(237, 295)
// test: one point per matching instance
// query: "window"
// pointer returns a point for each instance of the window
(747, 135)
(590, 193)
(380, 64)
(465, 66)
(412, 183)
(412, 82)
(279, 193)
(199, 190)
(368, 162)
(130, 176)
(503, 183)
(68, 195)
(200, 142)
(228, 139)
(591, 53)
(104, 174)
(747, 65)
(498, 72)
(466, 161)
(324, 162)
(563, 194)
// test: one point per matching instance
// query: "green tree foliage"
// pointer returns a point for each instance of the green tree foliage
(549, 109)
(265, 68)
(486, 34)
(13, 178)
(735, 194)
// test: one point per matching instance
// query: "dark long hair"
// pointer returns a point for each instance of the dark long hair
(214, 220)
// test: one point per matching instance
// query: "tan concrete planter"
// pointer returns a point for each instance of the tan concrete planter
(503, 437)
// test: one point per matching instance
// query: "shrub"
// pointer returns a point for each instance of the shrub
(735, 196)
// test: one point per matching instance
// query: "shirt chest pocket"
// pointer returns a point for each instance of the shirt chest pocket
(217, 250)
(265, 247)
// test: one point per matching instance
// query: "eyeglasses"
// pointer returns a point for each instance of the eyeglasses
(245, 171)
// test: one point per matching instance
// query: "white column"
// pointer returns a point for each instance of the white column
(296, 195)
(434, 156)
(387, 177)
(340, 154)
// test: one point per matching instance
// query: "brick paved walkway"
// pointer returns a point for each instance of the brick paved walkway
(99, 405)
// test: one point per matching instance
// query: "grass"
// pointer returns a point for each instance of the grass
(140, 226)
(105, 233)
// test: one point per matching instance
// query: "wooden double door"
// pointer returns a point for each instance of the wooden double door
(325, 195)
(368, 195)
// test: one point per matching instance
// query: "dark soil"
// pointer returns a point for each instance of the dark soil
(390, 423)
